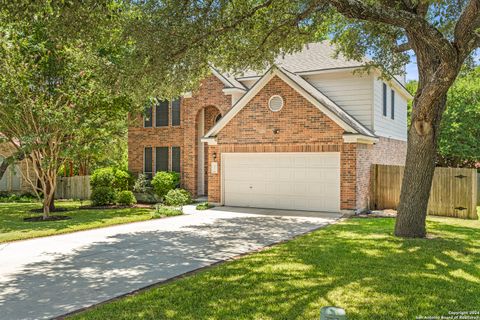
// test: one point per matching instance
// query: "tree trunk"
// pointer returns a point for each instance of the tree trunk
(46, 207)
(48, 200)
(418, 176)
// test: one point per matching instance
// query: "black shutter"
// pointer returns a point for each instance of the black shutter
(176, 112)
(147, 162)
(393, 104)
(384, 99)
(148, 119)
(161, 159)
(161, 114)
(176, 159)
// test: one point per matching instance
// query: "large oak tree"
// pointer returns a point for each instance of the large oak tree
(178, 39)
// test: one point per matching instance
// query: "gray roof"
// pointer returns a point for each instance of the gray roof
(314, 56)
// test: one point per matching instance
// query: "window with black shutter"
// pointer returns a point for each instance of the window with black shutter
(147, 162)
(176, 159)
(161, 114)
(384, 99)
(161, 159)
(176, 112)
(393, 104)
(148, 118)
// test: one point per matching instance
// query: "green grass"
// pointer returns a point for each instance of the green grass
(12, 226)
(356, 264)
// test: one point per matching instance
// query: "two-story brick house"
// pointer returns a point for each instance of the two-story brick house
(301, 135)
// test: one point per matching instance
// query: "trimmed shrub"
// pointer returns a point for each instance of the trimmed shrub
(178, 197)
(203, 206)
(165, 211)
(164, 181)
(102, 177)
(111, 177)
(126, 198)
(102, 196)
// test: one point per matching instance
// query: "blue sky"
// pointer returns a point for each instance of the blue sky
(412, 73)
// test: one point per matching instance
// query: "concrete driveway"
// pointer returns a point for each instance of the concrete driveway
(47, 277)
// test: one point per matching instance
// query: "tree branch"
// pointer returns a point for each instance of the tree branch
(410, 22)
(466, 33)
(403, 47)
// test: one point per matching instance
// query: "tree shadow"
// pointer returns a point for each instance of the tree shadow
(125, 262)
(357, 265)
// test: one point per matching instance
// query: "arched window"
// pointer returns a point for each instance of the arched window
(218, 117)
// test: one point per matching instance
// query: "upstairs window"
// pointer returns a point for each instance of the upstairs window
(161, 114)
(393, 104)
(161, 159)
(384, 99)
(148, 118)
(176, 112)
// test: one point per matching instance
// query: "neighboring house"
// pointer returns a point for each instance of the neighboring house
(303, 135)
(13, 180)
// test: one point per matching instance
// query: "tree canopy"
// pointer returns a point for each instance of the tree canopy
(59, 91)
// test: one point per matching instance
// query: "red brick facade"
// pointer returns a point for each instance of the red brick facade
(298, 127)
(209, 97)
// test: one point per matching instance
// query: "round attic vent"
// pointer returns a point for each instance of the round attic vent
(275, 103)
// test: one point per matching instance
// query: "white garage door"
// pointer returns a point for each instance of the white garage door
(296, 181)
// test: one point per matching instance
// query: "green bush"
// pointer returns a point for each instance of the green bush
(102, 196)
(15, 198)
(126, 198)
(115, 178)
(141, 184)
(203, 206)
(165, 211)
(178, 197)
(164, 181)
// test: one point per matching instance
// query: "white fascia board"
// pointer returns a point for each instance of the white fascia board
(329, 70)
(359, 138)
(228, 91)
(220, 77)
(210, 141)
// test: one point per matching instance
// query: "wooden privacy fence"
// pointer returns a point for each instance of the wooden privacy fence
(478, 189)
(453, 193)
(77, 187)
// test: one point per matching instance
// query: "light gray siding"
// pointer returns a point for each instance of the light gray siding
(352, 92)
(385, 126)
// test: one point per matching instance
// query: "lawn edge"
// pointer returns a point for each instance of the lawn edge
(83, 230)
(197, 271)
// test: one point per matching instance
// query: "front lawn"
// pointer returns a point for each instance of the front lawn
(12, 226)
(356, 264)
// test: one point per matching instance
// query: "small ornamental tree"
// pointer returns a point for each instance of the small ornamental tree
(55, 86)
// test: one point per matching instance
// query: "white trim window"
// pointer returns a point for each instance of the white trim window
(275, 103)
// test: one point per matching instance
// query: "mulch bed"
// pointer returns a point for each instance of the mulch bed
(115, 207)
(59, 209)
(50, 218)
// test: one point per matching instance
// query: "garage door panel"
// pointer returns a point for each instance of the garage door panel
(302, 181)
